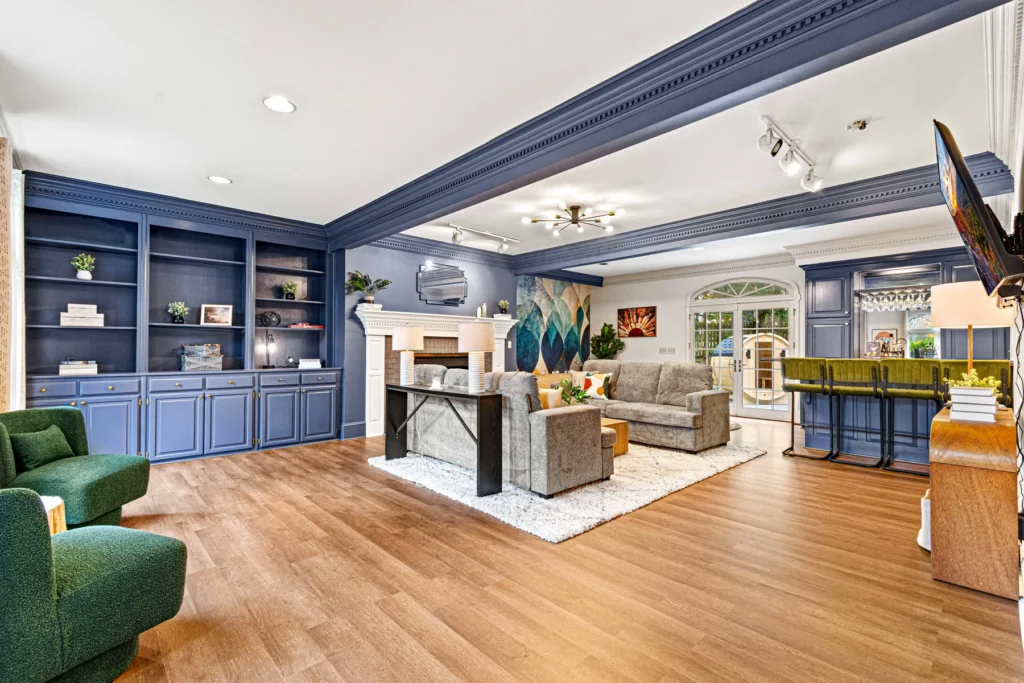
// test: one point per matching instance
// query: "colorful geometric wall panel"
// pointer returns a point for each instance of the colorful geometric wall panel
(553, 332)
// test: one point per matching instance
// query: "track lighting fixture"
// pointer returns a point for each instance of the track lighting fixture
(459, 235)
(795, 158)
(503, 247)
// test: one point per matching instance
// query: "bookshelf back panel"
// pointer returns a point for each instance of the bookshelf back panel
(49, 224)
(46, 300)
(113, 350)
(284, 256)
(195, 284)
(54, 261)
(165, 346)
(197, 244)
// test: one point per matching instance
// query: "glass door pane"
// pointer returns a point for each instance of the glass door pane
(765, 338)
(712, 344)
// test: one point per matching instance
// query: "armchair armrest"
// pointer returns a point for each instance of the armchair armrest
(565, 448)
(710, 400)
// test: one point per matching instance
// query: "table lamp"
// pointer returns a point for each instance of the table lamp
(475, 339)
(408, 340)
(965, 305)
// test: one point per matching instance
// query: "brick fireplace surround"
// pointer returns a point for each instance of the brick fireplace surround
(447, 346)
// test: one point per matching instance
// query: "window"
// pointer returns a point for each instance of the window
(745, 288)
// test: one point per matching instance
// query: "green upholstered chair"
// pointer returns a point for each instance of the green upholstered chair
(801, 376)
(94, 487)
(909, 379)
(1000, 369)
(75, 604)
(852, 377)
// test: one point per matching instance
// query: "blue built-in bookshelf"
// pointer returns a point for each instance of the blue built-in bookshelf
(151, 250)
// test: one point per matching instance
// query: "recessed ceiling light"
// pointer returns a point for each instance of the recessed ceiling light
(219, 179)
(279, 103)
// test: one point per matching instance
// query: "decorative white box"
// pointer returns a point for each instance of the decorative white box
(69, 320)
(82, 309)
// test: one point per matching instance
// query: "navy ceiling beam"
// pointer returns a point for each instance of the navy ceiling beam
(762, 48)
(916, 188)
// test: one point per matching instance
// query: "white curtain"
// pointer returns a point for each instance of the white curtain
(17, 369)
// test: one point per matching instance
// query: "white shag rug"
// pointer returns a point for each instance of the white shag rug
(733, 426)
(642, 476)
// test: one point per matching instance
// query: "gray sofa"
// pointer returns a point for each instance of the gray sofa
(666, 404)
(544, 451)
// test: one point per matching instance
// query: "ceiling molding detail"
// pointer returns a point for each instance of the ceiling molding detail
(871, 246)
(43, 185)
(1004, 80)
(762, 48)
(425, 247)
(915, 188)
(570, 276)
(5, 132)
(720, 268)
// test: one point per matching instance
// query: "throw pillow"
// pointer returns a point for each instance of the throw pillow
(550, 398)
(35, 449)
(596, 385)
(578, 377)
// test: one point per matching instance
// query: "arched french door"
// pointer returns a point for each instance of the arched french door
(741, 328)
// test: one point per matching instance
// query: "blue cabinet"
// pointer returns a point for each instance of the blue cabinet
(279, 416)
(112, 423)
(319, 410)
(829, 297)
(175, 425)
(229, 421)
(829, 338)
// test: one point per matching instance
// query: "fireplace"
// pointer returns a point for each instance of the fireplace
(436, 351)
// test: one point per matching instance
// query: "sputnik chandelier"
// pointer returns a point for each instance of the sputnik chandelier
(578, 217)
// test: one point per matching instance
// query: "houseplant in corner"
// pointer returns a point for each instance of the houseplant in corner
(606, 345)
(362, 282)
(84, 264)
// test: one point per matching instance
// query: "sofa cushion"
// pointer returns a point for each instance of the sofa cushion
(654, 413)
(679, 379)
(35, 449)
(638, 382)
(91, 485)
(113, 584)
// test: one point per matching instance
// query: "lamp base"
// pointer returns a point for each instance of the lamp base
(408, 374)
(476, 372)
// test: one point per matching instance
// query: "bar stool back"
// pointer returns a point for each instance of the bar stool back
(852, 377)
(1000, 369)
(914, 379)
(802, 376)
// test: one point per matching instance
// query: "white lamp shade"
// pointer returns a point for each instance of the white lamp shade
(959, 304)
(408, 338)
(476, 337)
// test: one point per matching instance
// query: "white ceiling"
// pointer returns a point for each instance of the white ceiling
(774, 243)
(714, 164)
(158, 95)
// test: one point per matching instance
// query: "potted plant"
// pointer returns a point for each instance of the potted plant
(289, 288)
(362, 282)
(973, 397)
(606, 345)
(179, 310)
(571, 393)
(84, 264)
(503, 308)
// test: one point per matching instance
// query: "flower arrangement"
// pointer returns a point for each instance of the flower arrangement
(179, 310)
(503, 306)
(86, 262)
(571, 393)
(971, 380)
(289, 288)
(362, 282)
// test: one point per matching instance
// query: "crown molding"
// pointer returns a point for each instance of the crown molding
(871, 246)
(382, 322)
(570, 276)
(44, 185)
(1002, 30)
(5, 132)
(915, 188)
(718, 268)
(762, 48)
(426, 247)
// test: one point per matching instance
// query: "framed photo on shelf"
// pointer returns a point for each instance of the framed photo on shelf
(879, 334)
(216, 315)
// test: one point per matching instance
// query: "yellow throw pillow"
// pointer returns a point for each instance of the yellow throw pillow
(550, 398)
(594, 384)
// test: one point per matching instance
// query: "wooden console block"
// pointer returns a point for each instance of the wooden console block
(974, 504)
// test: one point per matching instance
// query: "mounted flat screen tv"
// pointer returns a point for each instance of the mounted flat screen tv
(1000, 271)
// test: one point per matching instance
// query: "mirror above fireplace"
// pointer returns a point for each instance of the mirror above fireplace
(442, 285)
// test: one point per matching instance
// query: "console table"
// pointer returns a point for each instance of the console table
(974, 503)
(488, 427)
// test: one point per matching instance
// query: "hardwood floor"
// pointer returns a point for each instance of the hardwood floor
(306, 564)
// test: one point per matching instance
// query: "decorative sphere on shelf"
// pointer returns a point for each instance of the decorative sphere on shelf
(270, 319)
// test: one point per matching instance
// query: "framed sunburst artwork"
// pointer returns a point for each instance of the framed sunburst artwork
(641, 321)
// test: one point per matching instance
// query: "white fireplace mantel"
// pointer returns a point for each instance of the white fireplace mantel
(377, 324)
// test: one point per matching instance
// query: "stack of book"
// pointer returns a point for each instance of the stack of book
(309, 364)
(973, 404)
(81, 315)
(305, 326)
(77, 368)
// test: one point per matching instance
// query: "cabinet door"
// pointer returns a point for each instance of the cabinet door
(828, 338)
(279, 417)
(175, 421)
(229, 421)
(319, 411)
(829, 297)
(112, 424)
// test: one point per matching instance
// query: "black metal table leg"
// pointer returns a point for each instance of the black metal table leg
(488, 446)
(395, 438)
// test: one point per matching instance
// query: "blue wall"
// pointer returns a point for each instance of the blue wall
(487, 284)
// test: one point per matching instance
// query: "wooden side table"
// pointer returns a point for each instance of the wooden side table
(974, 503)
(621, 428)
(54, 507)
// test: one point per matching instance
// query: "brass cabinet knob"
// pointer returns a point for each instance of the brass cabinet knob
(296, 391)
(177, 384)
(73, 403)
(83, 403)
(231, 381)
(111, 387)
(280, 379)
(43, 390)
(207, 396)
(319, 378)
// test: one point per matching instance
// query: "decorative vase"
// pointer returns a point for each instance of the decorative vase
(368, 299)
(84, 275)
(178, 320)
(289, 295)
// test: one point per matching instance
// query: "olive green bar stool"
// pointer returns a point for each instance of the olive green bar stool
(911, 379)
(802, 376)
(1000, 369)
(852, 377)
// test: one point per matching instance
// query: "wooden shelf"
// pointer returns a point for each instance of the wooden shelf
(290, 302)
(291, 329)
(205, 327)
(72, 244)
(76, 281)
(266, 268)
(195, 259)
(84, 327)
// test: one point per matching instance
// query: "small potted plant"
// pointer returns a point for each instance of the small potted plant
(362, 282)
(179, 310)
(973, 397)
(84, 264)
(503, 307)
(289, 288)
